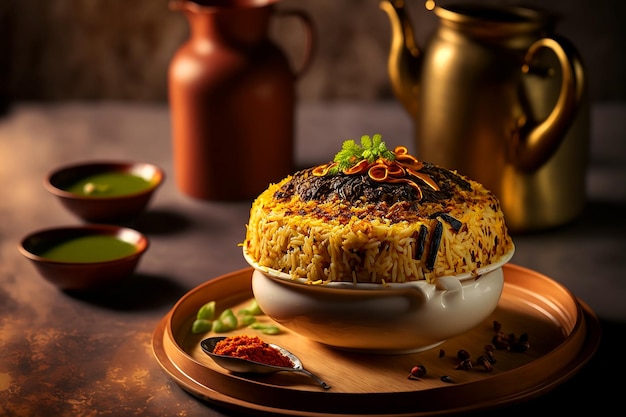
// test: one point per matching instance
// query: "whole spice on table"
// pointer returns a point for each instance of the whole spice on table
(501, 341)
(463, 354)
(485, 362)
(252, 349)
(418, 371)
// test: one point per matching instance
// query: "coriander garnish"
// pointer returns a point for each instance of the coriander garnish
(352, 153)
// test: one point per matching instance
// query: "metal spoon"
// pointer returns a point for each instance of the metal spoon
(240, 365)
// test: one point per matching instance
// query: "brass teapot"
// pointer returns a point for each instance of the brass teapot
(497, 96)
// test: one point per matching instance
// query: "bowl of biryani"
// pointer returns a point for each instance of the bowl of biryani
(377, 251)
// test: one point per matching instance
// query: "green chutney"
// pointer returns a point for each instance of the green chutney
(98, 248)
(108, 184)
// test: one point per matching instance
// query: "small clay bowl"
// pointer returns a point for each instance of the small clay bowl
(84, 257)
(105, 191)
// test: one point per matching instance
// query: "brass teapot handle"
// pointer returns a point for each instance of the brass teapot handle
(532, 146)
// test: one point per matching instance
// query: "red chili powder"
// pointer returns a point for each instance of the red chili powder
(252, 349)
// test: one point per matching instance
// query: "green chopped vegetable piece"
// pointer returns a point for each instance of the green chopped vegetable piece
(201, 326)
(254, 308)
(231, 322)
(228, 320)
(220, 327)
(247, 319)
(266, 328)
(270, 330)
(207, 311)
(227, 313)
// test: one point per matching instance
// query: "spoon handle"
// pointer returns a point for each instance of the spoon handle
(315, 377)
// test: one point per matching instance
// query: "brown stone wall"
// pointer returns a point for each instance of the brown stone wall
(120, 49)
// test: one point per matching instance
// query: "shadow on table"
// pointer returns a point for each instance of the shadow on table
(141, 292)
(159, 222)
(601, 216)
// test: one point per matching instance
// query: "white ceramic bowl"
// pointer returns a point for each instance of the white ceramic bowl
(392, 318)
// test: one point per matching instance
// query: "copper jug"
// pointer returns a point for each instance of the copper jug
(232, 99)
(497, 96)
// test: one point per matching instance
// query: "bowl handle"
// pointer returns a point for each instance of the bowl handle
(452, 290)
(449, 288)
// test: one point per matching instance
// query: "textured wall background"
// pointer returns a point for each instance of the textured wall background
(119, 49)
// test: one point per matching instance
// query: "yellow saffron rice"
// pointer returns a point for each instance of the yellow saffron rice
(331, 239)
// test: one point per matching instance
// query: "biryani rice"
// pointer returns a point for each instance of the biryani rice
(283, 235)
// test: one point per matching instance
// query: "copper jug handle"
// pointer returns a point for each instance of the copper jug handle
(309, 33)
(532, 146)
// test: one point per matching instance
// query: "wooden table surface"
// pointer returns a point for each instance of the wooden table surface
(91, 355)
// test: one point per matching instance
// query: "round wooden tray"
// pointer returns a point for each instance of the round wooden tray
(563, 334)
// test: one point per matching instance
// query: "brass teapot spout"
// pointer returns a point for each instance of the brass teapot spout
(404, 56)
